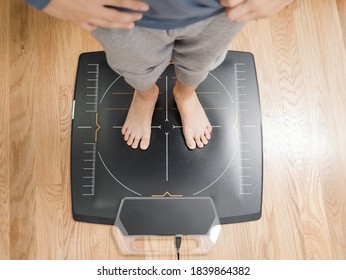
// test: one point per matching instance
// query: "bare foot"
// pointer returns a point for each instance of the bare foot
(137, 126)
(196, 126)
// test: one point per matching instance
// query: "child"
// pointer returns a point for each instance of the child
(195, 34)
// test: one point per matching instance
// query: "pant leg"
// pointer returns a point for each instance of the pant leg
(139, 54)
(200, 49)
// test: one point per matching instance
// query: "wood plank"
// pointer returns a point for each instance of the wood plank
(324, 77)
(49, 222)
(296, 134)
(4, 130)
(46, 87)
(341, 6)
(22, 134)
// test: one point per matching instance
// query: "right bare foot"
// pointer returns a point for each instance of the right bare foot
(137, 126)
(196, 126)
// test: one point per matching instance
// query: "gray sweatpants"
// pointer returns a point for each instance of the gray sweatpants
(142, 54)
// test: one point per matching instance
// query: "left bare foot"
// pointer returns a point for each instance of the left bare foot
(196, 126)
(137, 126)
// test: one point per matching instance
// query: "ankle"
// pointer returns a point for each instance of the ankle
(183, 91)
(148, 94)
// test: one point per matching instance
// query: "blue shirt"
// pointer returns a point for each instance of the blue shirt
(167, 14)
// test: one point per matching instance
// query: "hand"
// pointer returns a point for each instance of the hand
(241, 11)
(90, 14)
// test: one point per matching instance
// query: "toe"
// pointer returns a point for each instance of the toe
(135, 143)
(130, 140)
(191, 144)
(144, 143)
(204, 140)
(123, 130)
(199, 143)
(127, 135)
(207, 135)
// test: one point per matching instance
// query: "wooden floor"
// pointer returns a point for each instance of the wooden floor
(301, 65)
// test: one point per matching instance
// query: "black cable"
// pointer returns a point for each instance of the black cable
(178, 239)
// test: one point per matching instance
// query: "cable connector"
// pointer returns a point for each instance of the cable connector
(178, 239)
